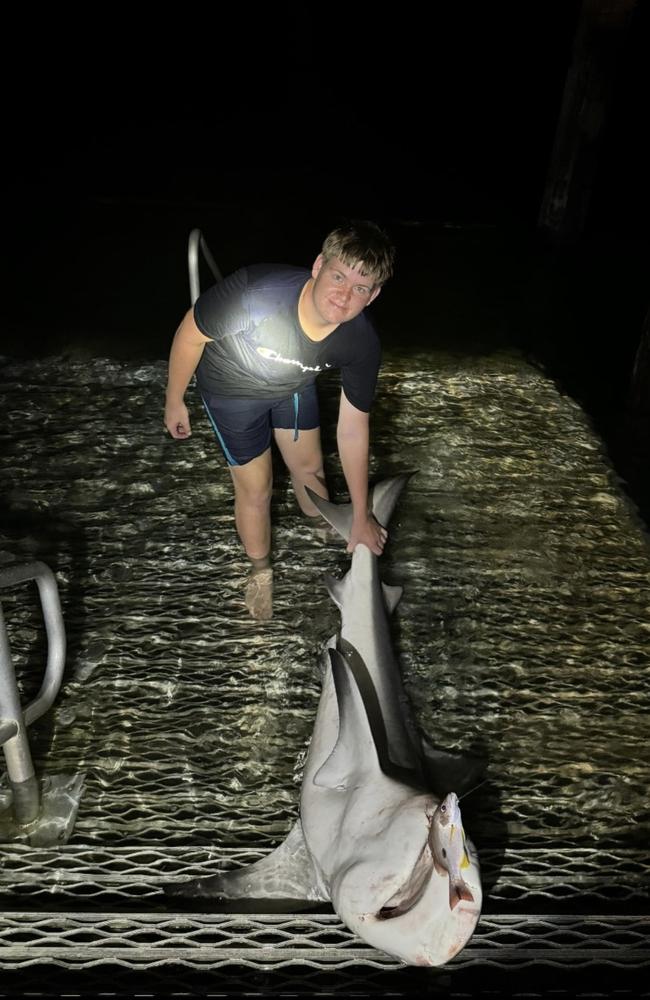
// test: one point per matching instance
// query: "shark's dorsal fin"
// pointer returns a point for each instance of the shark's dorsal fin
(286, 875)
(346, 766)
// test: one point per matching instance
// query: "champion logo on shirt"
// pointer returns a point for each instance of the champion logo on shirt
(271, 355)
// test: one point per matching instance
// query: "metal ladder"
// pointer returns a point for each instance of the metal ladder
(29, 803)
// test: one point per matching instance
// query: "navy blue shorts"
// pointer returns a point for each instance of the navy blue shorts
(243, 426)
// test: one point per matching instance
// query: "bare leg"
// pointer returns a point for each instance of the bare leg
(304, 460)
(253, 487)
(253, 484)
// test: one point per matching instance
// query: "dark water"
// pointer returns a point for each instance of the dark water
(107, 276)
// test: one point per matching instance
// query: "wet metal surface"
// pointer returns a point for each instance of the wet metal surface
(523, 632)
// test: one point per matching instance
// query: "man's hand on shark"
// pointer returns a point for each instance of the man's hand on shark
(369, 533)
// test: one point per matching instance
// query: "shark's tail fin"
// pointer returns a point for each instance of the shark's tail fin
(383, 497)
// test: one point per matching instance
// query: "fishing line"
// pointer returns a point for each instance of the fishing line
(465, 794)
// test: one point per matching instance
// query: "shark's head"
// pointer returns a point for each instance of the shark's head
(393, 897)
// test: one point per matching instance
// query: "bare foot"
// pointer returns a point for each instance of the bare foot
(259, 594)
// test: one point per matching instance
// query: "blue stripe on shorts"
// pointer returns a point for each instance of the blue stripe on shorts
(244, 426)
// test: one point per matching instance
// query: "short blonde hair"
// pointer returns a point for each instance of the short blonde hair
(363, 245)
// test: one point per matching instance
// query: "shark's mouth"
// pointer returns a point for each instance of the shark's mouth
(413, 889)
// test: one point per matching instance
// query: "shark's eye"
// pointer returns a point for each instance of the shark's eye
(443, 808)
(444, 853)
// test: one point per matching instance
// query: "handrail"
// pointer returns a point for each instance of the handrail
(195, 243)
(13, 719)
(49, 595)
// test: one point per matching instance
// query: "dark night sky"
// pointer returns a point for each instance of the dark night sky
(461, 100)
(465, 96)
(441, 116)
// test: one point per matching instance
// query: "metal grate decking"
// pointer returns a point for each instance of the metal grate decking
(524, 634)
(578, 915)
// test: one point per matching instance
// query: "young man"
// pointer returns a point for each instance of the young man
(257, 341)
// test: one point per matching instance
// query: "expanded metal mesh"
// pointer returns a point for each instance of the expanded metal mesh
(270, 941)
(599, 881)
(523, 633)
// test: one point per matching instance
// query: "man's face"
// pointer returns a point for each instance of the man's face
(340, 292)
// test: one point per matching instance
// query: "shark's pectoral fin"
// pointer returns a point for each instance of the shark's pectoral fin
(392, 596)
(333, 773)
(452, 770)
(288, 873)
(335, 589)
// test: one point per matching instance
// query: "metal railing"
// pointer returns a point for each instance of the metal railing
(195, 243)
(13, 718)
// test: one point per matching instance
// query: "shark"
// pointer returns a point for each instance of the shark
(379, 834)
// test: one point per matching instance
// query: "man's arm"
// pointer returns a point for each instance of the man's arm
(187, 348)
(353, 438)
